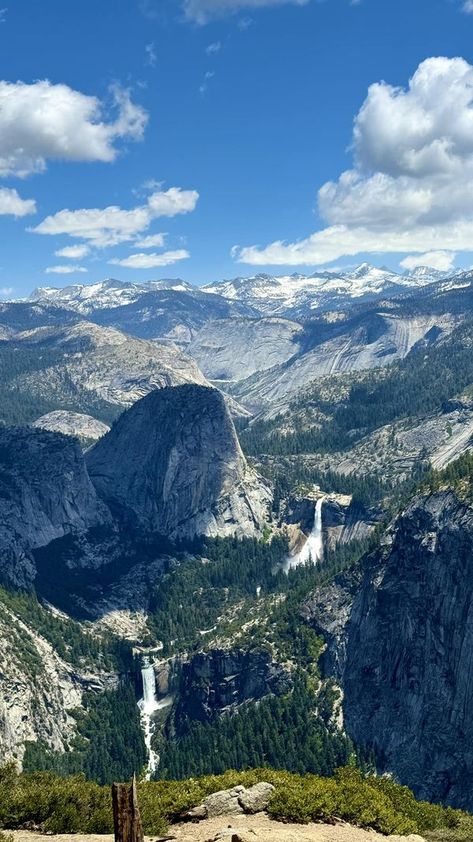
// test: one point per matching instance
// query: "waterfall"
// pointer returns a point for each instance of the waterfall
(313, 548)
(148, 706)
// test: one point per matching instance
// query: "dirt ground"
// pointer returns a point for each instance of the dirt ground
(264, 830)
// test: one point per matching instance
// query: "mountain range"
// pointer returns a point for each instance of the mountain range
(284, 295)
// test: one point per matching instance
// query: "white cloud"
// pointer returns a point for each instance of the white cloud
(442, 260)
(151, 56)
(11, 204)
(73, 252)
(44, 121)
(150, 261)
(201, 11)
(214, 48)
(113, 225)
(6, 292)
(3, 15)
(172, 202)
(468, 7)
(150, 242)
(64, 270)
(244, 24)
(411, 187)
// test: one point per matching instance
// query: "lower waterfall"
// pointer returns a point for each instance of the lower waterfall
(148, 706)
(313, 548)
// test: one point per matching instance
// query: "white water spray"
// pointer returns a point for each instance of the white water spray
(148, 706)
(313, 549)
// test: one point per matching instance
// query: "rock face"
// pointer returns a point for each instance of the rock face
(39, 690)
(231, 349)
(45, 493)
(329, 612)
(402, 643)
(373, 339)
(214, 681)
(180, 471)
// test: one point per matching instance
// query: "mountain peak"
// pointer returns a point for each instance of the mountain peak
(362, 270)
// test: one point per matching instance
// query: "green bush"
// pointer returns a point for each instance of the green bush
(426, 816)
(72, 805)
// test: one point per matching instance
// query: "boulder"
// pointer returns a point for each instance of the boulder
(256, 798)
(230, 802)
(224, 803)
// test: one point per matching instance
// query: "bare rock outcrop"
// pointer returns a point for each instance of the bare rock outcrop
(84, 427)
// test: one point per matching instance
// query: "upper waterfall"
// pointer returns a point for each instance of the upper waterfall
(313, 548)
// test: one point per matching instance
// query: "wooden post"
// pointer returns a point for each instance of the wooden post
(126, 813)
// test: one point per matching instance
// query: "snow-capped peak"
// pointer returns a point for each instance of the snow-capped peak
(84, 298)
(425, 274)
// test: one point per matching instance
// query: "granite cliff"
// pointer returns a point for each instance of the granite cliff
(45, 493)
(399, 637)
(180, 471)
(218, 680)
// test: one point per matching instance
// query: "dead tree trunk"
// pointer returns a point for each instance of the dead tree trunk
(126, 813)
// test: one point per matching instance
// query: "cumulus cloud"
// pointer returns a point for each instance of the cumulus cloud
(201, 11)
(151, 241)
(11, 204)
(113, 225)
(68, 269)
(6, 292)
(43, 121)
(74, 252)
(411, 186)
(150, 260)
(442, 260)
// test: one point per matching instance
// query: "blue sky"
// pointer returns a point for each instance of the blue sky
(217, 122)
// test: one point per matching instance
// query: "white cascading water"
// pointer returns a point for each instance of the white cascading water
(148, 706)
(313, 548)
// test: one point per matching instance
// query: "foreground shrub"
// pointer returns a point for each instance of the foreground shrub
(426, 816)
(348, 796)
(76, 805)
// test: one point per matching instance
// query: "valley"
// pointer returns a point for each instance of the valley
(205, 509)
